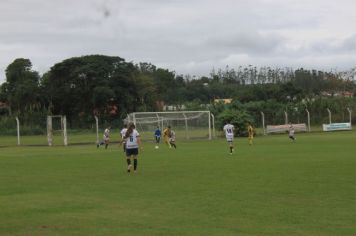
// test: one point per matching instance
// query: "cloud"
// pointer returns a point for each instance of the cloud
(349, 44)
(245, 42)
(184, 36)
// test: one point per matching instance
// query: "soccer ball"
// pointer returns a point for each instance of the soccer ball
(156, 147)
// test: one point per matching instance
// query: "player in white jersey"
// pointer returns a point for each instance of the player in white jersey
(291, 132)
(172, 139)
(122, 133)
(133, 142)
(229, 134)
(106, 138)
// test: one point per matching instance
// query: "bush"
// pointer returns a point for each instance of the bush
(238, 118)
(8, 126)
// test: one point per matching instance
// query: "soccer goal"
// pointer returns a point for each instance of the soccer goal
(56, 124)
(186, 124)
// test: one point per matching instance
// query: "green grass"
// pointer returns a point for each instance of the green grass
(274, 187)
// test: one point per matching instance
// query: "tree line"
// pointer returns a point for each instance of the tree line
(110, 87)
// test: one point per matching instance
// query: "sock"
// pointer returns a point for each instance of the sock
(231, 149)
(128, 164)
(106, 146)
(135, 164)
(174, 145)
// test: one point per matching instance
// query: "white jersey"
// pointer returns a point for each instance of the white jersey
(131, 141)
(229, 132)
(106, 134)
(123, 132)
(291, 131)
(173, 136)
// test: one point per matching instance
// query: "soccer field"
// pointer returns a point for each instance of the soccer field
(274, 187)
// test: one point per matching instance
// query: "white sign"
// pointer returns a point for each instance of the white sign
(285, 128)
(337, 126)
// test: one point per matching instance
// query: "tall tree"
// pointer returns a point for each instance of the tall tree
(21, 86)
(96, 84)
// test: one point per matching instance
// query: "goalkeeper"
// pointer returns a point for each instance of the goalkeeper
(157, 135)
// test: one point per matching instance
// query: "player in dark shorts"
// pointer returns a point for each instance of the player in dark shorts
(133, 143)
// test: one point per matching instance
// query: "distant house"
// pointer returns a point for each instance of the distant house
(160, 105)
(174, 108)
(349, 75)
(223, 100)
(326, 94)
(344, 94)
(347, 94)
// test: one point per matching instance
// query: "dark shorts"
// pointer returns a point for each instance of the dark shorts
(131, 151)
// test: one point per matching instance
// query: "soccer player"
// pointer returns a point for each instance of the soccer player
(291, 132)
(250, 134)
(157, 135)
(106, 138)
(167, 135)
(229, 134)
(172, 139)
(133, 142)
(122, 133)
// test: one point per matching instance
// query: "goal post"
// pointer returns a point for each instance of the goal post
(186, 124)
(62, 127)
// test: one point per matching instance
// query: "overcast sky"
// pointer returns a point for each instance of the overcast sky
(187, 36)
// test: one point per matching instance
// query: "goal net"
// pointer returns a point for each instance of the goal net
(186, 124)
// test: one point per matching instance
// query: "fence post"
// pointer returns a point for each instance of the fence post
(209, 121)
(263, 123)
(329, 115)
(350, 115)
(64, 124)
(186, 126)
(97, 129)
(49, 131)
(18, 131)
(213, 122)
(308, 114)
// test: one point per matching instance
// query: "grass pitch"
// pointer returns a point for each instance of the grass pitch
(274, 187)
